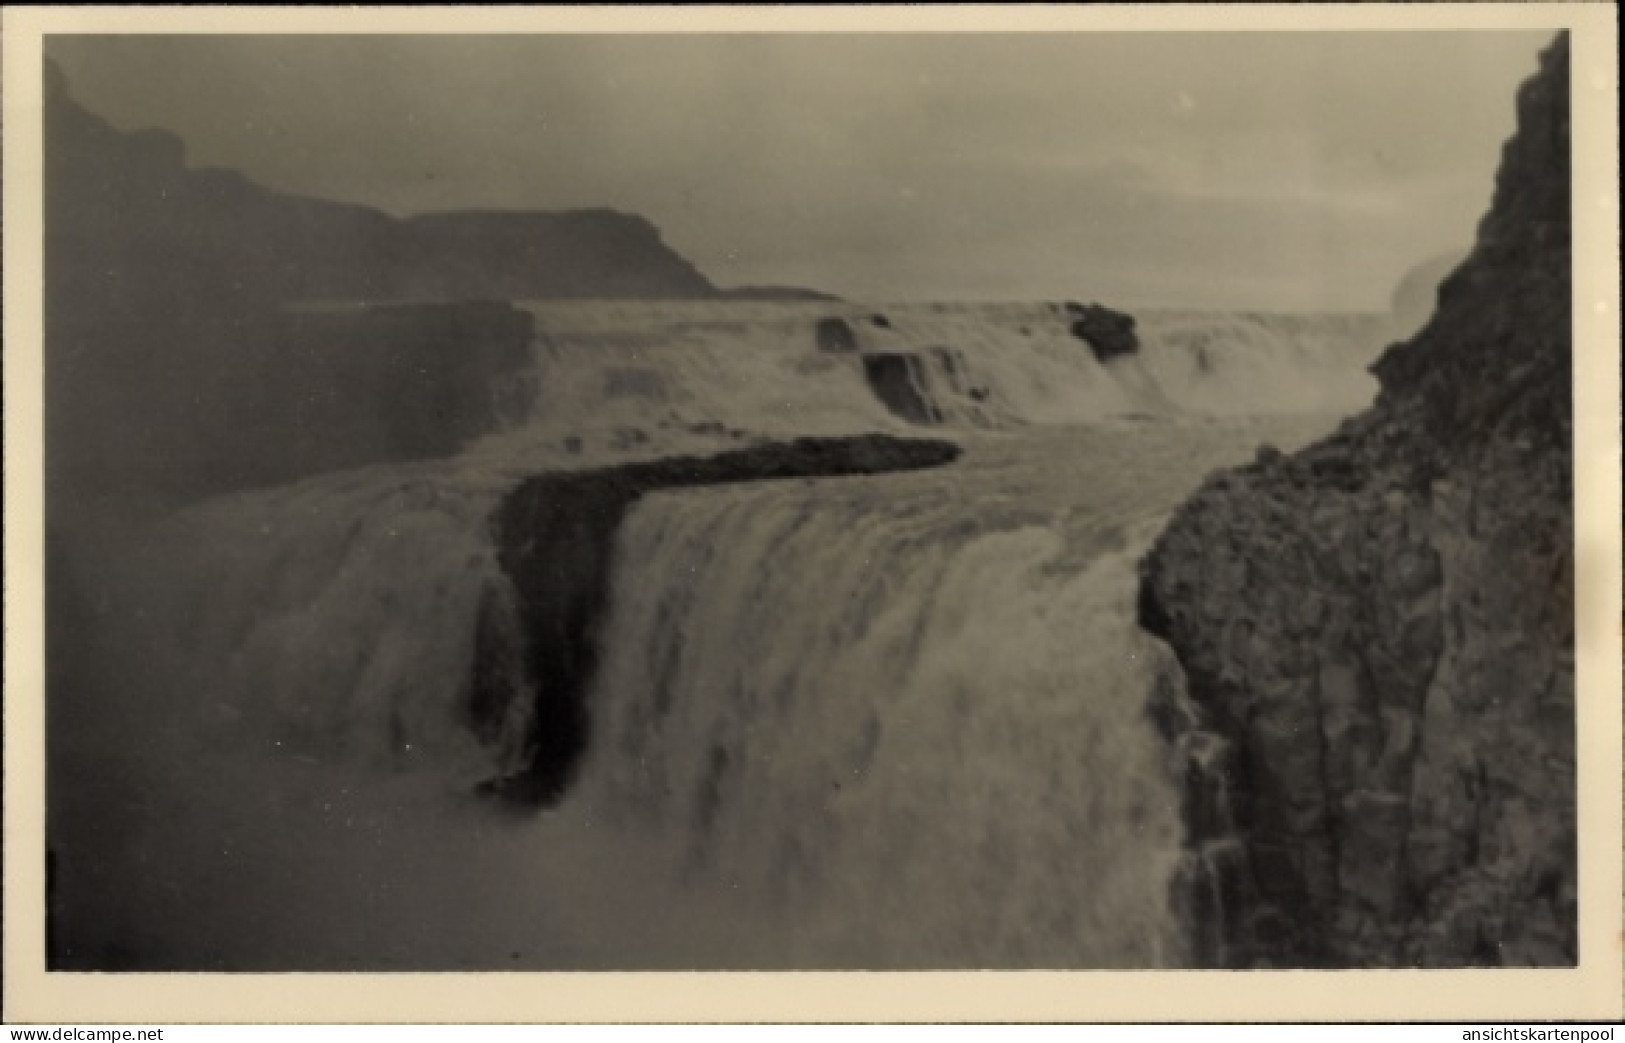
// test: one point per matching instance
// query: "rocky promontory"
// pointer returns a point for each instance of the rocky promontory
(1109, 334)
(1378, 633)
(555, 534)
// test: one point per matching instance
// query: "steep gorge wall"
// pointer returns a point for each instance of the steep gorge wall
(1378, 633)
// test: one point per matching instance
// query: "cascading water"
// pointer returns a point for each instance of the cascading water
(888, 721)
(809, 704)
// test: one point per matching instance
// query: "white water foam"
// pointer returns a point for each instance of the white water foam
(893, 721)
(619, 377)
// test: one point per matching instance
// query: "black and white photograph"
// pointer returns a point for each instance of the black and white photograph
(854, 501)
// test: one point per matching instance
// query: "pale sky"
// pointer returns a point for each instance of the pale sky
(1285, 170)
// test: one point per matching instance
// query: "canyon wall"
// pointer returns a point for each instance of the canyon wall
(1378, 633)
(182, 349)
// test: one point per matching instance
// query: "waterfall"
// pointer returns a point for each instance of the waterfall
(1253, 364)
(808, 699)
(896, 720)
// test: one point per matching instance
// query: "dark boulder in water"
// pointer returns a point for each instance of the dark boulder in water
(1109, 334)
(1378, 633)
(555, 535)
(174, 362)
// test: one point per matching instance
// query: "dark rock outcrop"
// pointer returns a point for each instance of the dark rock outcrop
(776, 293)
(899, 381)
(555, 536)
(1109, 334)
(1378, 633)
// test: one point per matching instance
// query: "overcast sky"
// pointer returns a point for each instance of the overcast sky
(1248, 170)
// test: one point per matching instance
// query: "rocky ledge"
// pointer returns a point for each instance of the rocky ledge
(555, 535)
(1378, 634)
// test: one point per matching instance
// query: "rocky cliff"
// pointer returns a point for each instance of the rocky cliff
(1377, 633)
(173, 358)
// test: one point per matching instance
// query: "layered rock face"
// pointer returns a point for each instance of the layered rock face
(1378, 633)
